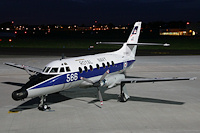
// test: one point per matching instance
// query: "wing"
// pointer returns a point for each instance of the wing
(142, 80)
(29, 68)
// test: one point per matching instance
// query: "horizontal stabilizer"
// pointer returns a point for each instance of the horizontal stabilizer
(138, 44)
(121, 43)
(150, 44)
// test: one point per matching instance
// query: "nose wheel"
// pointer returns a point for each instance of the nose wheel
(43, 106)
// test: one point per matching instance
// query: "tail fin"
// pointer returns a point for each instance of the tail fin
(133, 38)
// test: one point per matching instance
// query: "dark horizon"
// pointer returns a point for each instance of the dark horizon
(86, 12)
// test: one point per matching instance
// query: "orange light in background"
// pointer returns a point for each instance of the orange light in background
(15, 32)
(25, 32)
(0, 40)
(188, 23)
(10, 40)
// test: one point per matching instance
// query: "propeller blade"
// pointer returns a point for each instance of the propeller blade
(100, 96)
(87, 80)
(104, 75)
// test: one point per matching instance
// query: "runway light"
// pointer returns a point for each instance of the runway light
(188, 23)
(10, 40)
(25, 32)
(15, 32)
(0, 40)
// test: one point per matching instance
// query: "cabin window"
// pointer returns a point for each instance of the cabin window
(113, 64)
(47, 70)
(91, 68)
(97, 66)
(86, 70)
(104, 66)
(54, 70)
(80, 69)
(65, 63)
(67, 69)
(108, 64)
(62, 69)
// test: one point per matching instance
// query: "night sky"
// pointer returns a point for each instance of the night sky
(104, 11)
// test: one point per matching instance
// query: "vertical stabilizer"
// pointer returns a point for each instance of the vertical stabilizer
(129, 47)
(133, 38)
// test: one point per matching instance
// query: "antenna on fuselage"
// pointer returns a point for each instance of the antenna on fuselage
(63, 56)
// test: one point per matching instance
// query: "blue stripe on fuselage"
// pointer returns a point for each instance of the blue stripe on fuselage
(75, 76)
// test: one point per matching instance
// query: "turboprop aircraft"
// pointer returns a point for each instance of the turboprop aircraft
(100, 70)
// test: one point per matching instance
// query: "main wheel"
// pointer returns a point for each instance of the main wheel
(43, 107)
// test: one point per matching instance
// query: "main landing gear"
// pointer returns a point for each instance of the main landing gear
(42, 106)
(123, 96)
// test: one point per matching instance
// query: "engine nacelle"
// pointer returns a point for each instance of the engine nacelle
(113, 80)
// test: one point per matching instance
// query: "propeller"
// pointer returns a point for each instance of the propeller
(98, 84)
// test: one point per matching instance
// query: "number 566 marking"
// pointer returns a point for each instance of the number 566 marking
(72, 77)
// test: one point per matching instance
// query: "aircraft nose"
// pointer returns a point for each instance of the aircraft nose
(19, 94)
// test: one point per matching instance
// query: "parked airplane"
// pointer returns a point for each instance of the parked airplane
(98, 70)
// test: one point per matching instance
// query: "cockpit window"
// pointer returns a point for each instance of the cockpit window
(62, 69)
(67, 69)
(54, 70)
(47, 70)
(44, 69)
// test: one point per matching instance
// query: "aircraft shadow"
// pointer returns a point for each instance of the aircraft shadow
(107, 97)
(14, 83)
(77, 93)
(33, 103)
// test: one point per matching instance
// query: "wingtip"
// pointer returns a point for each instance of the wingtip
(193, 78)
(98, 43)
(166, 45)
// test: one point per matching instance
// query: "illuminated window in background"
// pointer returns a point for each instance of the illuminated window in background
(193, 33)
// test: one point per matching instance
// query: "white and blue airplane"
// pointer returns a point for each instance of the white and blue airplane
(99, 70)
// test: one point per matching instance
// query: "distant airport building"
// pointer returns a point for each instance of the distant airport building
(191, 29)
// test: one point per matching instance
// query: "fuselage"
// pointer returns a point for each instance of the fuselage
(66, 73)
